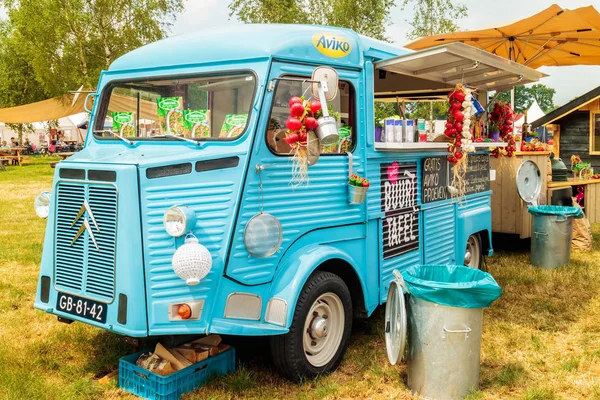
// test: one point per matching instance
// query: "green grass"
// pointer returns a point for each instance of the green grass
(541, 339)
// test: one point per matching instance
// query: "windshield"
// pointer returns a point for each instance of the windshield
(208, 107)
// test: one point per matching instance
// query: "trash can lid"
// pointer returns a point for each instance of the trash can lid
(529, 182)
(395, 321)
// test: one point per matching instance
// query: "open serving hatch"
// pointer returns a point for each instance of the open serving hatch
(428, 75)
(459, 63)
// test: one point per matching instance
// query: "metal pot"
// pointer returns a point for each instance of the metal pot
(327, 130)
(357, 194)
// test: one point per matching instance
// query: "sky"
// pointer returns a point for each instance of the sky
(569, 82)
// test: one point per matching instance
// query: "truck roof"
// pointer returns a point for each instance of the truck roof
(315, 43)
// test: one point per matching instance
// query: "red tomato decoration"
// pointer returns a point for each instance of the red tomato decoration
(315, 106)
(458, 115)
(458, 126)
(296, 110)
(310, 123)
(293, 124)
(294, 100)
(455, 105)
(302, 137)
(449, 125)
(292, 138)
(459, 95)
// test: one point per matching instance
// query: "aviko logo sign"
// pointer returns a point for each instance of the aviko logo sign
(332, 45)
(85, 225)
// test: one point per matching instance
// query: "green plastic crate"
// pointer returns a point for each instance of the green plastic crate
(149, 385)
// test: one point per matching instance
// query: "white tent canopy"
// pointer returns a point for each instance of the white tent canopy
(534, 112)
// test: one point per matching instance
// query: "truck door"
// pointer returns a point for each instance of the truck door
(319, 203)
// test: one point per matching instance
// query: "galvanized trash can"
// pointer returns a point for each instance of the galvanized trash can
(551, 226)
(444, 325)
(551, 234)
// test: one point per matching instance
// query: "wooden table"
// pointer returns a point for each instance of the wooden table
(591, 202)
(6, 152)
(64, 155)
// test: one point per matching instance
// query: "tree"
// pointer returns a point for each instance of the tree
(544, 96)
(367, 17)
(525, 95)
(522, 98)
(427, 110)
(68, 42)
(434, 17)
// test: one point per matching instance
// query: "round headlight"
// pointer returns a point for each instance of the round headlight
(179, 220)
(41, 204)
(262, 235)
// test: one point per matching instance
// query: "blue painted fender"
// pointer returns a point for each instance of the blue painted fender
(299, 266)
(473, 218)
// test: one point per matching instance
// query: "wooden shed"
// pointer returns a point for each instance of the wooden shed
(576, 128)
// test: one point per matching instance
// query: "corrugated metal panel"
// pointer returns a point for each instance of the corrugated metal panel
(100, 278)
(80, 267)
(439, 235)
(401, 262)
(473, 203)
(70, 258)
(321, 203)
(213, 204)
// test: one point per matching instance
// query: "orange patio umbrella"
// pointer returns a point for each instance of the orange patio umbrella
(553, 37)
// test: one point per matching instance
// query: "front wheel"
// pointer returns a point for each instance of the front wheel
(473, 252)
(320, 329)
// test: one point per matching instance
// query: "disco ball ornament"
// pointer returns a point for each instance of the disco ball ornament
(192, 261)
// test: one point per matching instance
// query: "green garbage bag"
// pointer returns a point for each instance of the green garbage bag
(452, 285)
(564, 211)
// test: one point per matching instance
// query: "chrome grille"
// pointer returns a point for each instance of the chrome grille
(80, 267)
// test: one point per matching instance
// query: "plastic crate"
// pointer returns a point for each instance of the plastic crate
(149, 385)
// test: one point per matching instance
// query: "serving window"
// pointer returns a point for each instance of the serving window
(342, 108)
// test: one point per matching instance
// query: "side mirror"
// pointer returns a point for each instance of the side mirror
(328, 78)
(325, 87)
(85, 103)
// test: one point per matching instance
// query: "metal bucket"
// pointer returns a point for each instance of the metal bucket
(357, 194)
(327, 130)
(443, 349)
(551, 240)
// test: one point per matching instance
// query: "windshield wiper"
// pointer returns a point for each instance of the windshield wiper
(129, 142)
(196, 142)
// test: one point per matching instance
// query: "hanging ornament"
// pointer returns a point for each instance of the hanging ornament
(301, 122)
(458, 125)
(192, 261)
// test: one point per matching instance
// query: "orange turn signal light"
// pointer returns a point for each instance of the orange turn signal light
(184, 311)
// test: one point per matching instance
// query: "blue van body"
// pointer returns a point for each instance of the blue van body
(134, 279)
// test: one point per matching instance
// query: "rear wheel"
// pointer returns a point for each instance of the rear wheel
(473, 252)
(320, 329)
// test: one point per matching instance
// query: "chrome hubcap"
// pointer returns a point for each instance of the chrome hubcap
(318, 328)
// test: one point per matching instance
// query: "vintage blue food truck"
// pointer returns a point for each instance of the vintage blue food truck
(196, 157)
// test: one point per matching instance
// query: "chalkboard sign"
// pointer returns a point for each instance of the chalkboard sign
(477, 178)
(437, 175)
(399, 204)
(435, 179)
